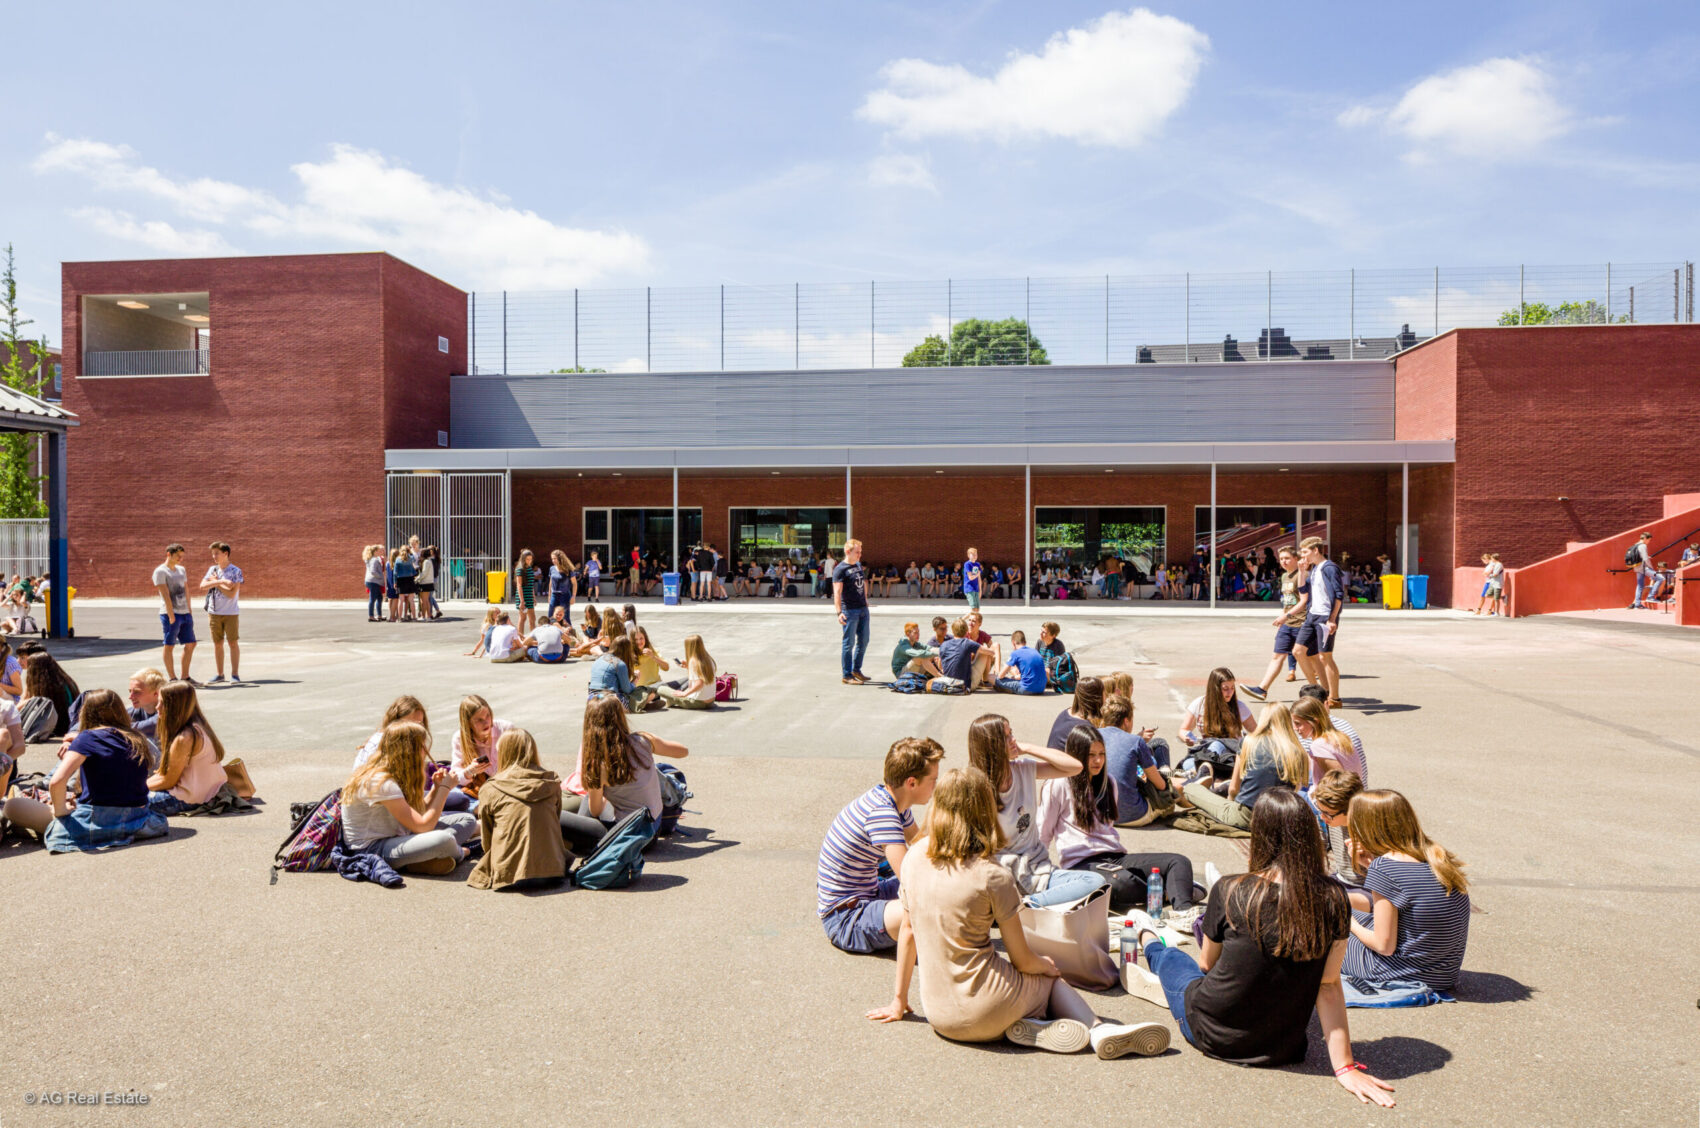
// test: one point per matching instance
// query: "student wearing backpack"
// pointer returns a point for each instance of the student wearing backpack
(954, 891)
(858, 908)
(616, 768)
(391, 808)
(1274, 940)
(519, 818)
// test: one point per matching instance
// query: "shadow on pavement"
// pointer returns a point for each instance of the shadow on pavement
(1399, 1056)
(1491, 987)
(1375, 706)
(688, 842)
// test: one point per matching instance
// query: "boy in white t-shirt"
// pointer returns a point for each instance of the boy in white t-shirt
(223, 585)
(176, 623)
(505, 641)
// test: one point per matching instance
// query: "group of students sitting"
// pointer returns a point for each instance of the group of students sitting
(494, 799)
(1378, 917)
(121, 771)
(961, 657)
(625, 664)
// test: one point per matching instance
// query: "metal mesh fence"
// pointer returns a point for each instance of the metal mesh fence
(1109, 319)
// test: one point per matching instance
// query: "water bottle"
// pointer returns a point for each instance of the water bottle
(1154, 895)
(1129, 945)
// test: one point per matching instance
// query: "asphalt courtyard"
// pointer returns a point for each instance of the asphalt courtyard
(1558, 758)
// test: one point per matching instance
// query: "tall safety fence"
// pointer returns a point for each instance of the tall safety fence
(1111, 319)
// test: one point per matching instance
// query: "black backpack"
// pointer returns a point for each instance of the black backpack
(1632, 556)
(674, 792)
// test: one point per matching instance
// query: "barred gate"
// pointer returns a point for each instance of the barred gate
(464, 514)
(23, 547)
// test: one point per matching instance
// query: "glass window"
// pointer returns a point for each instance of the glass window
(1250, 529)
(595, 524)
(649, 530)
(765, 536)
(1083, 537)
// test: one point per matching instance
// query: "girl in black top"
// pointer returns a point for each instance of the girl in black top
(1274, 939)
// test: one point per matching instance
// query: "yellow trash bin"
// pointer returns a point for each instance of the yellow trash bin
(1393, 591)
(497, 583)
(70, 613)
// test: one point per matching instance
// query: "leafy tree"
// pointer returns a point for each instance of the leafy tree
(25, 368)
(1589, 312)
(574, 368)
(977, 342)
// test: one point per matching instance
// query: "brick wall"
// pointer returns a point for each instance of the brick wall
(938, 516)
(1425, 391)
(280, 451)
(417, 310)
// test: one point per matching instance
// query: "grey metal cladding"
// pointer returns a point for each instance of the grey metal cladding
(1144, 403)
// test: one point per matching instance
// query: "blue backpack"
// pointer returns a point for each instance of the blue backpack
(618, 858)
(674, 792)
(1064, 672)
(909, 683)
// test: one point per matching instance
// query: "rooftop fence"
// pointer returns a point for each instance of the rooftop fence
(1111, 319)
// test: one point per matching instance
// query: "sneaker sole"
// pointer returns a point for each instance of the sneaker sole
(1148, 1039)
(1141, 984)
(1063, 1036)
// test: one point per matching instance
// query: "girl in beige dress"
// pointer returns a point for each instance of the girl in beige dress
(954, 891)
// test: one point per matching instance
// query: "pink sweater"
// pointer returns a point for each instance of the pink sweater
(1057, 826)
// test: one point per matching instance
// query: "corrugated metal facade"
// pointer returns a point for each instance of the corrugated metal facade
(1249, 402)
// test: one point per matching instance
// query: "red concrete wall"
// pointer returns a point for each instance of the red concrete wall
(1583, 581)
(280, 450)
(1688, 595)
(1425, 391)
(938, 516)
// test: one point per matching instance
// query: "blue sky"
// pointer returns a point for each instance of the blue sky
(541, 146)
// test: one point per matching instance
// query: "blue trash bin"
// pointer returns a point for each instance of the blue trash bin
(1416, 592)
(670, 588)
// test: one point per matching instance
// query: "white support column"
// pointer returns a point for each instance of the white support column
(507, 518)
(1212, 536)
(848, 526)
(1027, 543)
(1404, 518)
(675, 566)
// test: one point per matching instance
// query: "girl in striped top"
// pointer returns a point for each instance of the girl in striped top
(1411, 920)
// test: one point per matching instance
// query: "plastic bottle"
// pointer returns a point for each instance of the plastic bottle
(1129, 945)
(1154, 894)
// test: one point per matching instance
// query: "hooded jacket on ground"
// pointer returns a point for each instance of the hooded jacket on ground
(519, 817)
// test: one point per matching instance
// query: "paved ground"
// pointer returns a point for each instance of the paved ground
(1559, 758)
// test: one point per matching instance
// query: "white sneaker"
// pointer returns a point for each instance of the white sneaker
(1211, 876)
(1059, 1036)
(1113, 1040)
(1142, 984)
(1138, 921)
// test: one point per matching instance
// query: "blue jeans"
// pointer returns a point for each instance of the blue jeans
(855, 639)
(374, 601)
(1066, 886)
(1174, 969)
(1013, 685)
(165, 803)
(1644, 582)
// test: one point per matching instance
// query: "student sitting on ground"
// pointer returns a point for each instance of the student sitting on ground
(1118, 684)
(650, 664)
(519, 819)
(1079, 815)
(1274, 939)
(1017, 770)
(1327, 747)
(954, 892)
(913, 656)
(1274, 760)
(964, 659)
(857, 907)
(45, 711)
(1087, 707)
(1331, 798)
(191, 766)
(472, 757)
(697, 690)
(489, 625)
(1025, 672)
(390, 808)
(111, 810)
(1338, 720)
(977, 632)
(1128, 758)
(1413, 914)
(11, 672)
(941, 632)
(404, 708)
(1216, 724)
(610, 676)
(616, 768)
(546, 643)
(505, 645)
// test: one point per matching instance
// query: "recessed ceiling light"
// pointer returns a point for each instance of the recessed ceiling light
(133, 305)
(938, 471)
(617, 474)
(195, 317)
(775, 473)
(1283, 469)
(1109, 471)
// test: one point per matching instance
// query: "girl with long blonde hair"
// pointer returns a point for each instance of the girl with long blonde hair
(1274, 758)
(391, 806)
(697, 690)
(1328, 748)
(191, 754)
(473, 753)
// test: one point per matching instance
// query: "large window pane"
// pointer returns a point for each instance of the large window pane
(765, 536)
(1085, 536)
(1250, 529)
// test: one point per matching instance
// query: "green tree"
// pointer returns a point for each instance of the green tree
(977, 342)
(24, 368)
(1589, 312)
(574, 368)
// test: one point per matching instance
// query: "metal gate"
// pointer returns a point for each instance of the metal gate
(464, 514)
(23, 547)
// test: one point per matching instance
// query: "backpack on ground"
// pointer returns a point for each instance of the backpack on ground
(1064, 672)
(790, 591)
(312, 838)
(674, 792)
(617, 859)
(909, 683)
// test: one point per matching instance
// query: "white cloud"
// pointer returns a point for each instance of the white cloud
(901, 170)
(1498, 108)
(1112, 82)
(355, 198)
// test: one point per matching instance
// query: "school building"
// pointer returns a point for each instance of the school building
(301, 407)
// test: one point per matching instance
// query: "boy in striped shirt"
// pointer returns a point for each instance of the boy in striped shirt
(858, 908)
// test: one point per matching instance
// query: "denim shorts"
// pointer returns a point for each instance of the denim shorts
(1285, 637)
(860, 928)
(165, 803)
(180, 633)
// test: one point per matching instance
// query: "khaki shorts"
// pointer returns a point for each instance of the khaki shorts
(226, 628)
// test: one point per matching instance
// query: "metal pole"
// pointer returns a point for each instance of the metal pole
(722, 327)
(575, 329)
(870, 323)
(472, 351)
(1186, 346)
(847, 507)
(58, 536)
(1631, 305)
(1269, 316)
(949, 317)
(796, 325)
(1404, 518)
(507, 517)
(1676, 294)
(1027, 543)
(1352, 317)
(1212, 536)
(648, 333)
(1522, 304)
(1608, 293)
(1027, 323)
(1106, 319)
(676, 514)
(1437, 301)
(504, 332)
